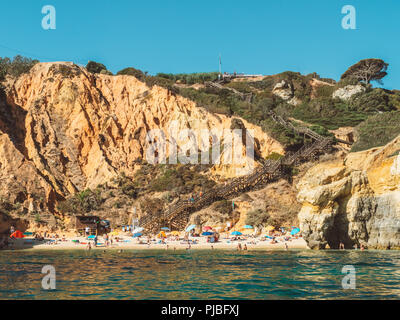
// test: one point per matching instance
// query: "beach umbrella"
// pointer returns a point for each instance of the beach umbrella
(28, 233)
(161, 235)
(138, 234)
(190, 228)
(206, 228)
(137, 230)
(91, 237)
(17, 235)
(236, 233)
(295, 231)
(207, 233)
(114, 233)
(270, 228)
(248, 227)
(175, 233)
(165, 228)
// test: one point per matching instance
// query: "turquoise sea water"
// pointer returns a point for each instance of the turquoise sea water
(199, 274)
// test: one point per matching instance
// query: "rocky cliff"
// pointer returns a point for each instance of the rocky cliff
(354, 199)
(63, 129)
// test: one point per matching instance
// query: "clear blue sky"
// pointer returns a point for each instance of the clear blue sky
(253, 36)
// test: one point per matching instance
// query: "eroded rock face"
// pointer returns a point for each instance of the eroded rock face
(354, 201)
(347, 92)
(284, 90)
(63, 130)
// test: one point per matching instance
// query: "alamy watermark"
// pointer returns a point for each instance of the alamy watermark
(49, 20)
(49, 280)
(187, 146)
(349, 20)
(349, 280)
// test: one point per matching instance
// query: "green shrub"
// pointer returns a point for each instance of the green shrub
(82, 202)
(377, 131)
(375, 100)
(106, 72)
(126, 185)
(95, 67)
(37, 217)
(161, 82)
(346, 82)
(190, 78)
(324, 91)
(138, 74)
(241, 86)
(180, 178)
(223, 206)
(65, 70)
(329, 113)
(321, 131)
(257, 217)
(274, 156)
(15, 67)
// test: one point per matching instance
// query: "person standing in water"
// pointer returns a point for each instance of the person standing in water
(89, 246)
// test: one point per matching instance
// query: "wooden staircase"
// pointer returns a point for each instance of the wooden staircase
(176, 216)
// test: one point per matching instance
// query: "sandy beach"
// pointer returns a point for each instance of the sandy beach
(129, 243)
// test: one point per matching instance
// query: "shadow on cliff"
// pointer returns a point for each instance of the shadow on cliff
(12, 122)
